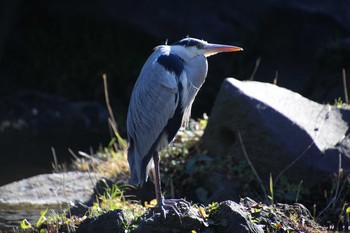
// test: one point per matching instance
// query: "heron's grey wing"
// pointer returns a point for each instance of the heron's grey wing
(153, 102)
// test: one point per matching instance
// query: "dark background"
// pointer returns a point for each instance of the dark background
(53, 55)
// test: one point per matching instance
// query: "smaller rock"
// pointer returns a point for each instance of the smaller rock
(232, 217)
(110, 222)
(154, 222)
(79, 210)
(281, 217)
(49, 190)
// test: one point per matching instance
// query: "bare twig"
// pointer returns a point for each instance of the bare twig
(250, 164)
(345, 87)
(64, 185)
(298, 192)
(55, 165)
(307, 148)
(294, 162)
(112, 120)
(271, 189)
(121, 145)
(257, 63)
(86, 155)
(334, 199)
(276, 78)
(73, 154)
(338, 180)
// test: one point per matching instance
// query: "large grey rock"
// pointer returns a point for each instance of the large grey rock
(49, 190)
(282, 132)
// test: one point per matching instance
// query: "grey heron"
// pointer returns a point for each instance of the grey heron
(161, 103)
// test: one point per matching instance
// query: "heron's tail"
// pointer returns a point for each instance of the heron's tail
(134, 179)
(140, 166)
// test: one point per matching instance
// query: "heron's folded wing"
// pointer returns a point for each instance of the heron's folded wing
(153, 102)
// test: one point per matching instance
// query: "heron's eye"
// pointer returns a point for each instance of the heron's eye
(199, 46)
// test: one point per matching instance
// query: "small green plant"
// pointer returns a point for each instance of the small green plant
(212, 207)
(26, 225)
(338, 102)
(287, 191)
(41, 219)
(114, 199)
(53, 222)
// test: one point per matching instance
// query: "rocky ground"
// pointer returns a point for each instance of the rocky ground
(261, 139)
(193, 167)
(227, 216)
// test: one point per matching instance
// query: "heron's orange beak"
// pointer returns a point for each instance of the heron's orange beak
(211, 49)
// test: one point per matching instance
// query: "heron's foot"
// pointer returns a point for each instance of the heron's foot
(177, 202)
(173, 205)
(165, 209)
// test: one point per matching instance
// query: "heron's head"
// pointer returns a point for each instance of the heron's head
(191, 47)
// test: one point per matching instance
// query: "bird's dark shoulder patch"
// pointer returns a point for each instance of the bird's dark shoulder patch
(172, 63)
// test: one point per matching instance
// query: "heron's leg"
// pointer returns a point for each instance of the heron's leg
(161, 202)
(156, 179)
